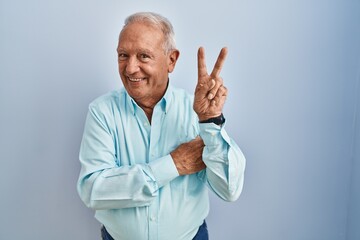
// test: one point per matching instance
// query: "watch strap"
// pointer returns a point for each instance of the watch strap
(217, 120)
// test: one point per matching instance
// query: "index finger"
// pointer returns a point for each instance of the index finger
(201, 63)
(219, 62)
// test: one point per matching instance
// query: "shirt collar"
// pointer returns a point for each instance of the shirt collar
(164, 102)
(167, 98)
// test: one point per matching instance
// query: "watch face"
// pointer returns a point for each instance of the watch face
(220, 120)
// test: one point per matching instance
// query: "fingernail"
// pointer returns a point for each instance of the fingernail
(210, 96)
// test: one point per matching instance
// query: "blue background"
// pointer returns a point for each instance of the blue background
(293, 74)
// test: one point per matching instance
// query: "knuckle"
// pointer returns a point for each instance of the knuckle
(224, 89)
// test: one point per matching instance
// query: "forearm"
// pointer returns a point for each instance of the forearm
(225, 163)
(125, 186)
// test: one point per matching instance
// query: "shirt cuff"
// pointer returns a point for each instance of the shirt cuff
(213, 134)
(164, 170)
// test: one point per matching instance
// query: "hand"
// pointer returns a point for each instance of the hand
(210, 93)
(188, 157)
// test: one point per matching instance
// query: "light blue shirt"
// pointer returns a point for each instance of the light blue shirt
(128, 175)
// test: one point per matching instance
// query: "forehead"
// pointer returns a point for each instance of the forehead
(141, 35)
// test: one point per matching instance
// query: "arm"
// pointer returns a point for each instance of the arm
(103, 184)
(225, 163)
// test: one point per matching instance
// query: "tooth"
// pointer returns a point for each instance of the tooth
(135, 79)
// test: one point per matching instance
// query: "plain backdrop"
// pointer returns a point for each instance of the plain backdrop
(293, 75)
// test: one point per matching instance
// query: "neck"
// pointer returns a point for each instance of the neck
(148, 109)
(148, 104)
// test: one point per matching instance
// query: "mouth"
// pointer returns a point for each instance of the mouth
(135, 79)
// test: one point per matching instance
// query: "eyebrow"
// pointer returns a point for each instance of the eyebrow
(143, 50)
(139, 50)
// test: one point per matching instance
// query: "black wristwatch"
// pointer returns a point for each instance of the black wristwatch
(217, 120)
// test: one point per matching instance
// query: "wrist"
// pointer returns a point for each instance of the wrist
(218, 120)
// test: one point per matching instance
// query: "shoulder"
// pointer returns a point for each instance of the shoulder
(107, 105)
(107, 100)
(181, 95)
(182, 103)
(181, 113)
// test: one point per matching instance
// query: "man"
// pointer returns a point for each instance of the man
(150, 151)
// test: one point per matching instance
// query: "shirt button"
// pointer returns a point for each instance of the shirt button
(213, 134)
(153, 218)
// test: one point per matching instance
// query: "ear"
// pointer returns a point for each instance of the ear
(173, 57)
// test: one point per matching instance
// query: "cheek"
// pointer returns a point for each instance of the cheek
(161, 69)
(121, 67)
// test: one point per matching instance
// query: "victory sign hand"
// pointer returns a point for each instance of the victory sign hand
(210, 93)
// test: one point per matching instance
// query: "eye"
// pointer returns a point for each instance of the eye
(144, 57)
(122, 56)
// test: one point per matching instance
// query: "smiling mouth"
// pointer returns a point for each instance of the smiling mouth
(135, 79)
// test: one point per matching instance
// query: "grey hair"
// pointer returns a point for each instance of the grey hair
(158, 21)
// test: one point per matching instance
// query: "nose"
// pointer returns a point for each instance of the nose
(132, 66)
